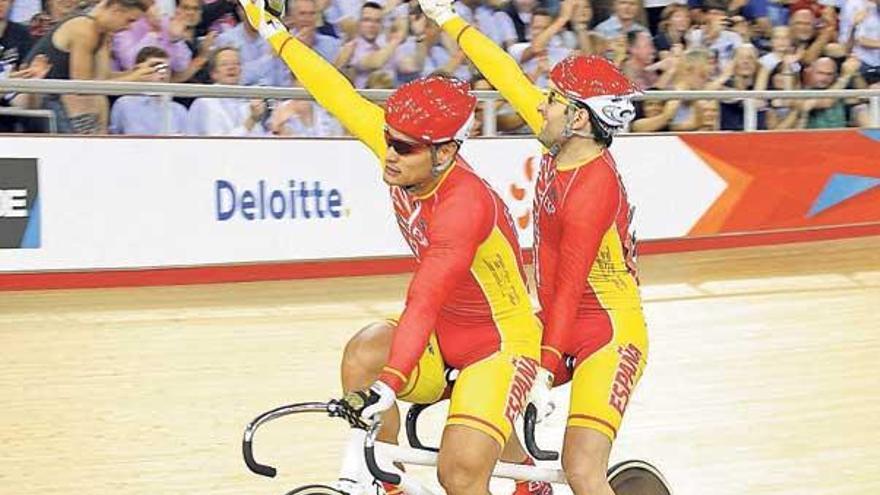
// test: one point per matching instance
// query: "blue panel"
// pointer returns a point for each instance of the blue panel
(31, 238)
(839, 188)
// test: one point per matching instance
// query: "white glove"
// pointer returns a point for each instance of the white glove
(261, 20)
(541, 396)
(439, 11)
(381, 399)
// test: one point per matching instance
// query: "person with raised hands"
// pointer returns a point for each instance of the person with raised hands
(467, 305)
(594, 329)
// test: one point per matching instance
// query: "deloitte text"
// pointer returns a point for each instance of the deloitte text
(299, 200)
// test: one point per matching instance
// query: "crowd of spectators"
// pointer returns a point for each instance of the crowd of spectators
(661, 44)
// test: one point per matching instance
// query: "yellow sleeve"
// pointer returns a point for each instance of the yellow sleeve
(500, 69)
(364, 119)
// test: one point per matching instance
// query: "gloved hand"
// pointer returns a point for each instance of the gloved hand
(541, 396)
(261, 20)
(381, 398)
(439, 11)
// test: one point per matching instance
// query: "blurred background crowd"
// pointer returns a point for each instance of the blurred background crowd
(661, 44)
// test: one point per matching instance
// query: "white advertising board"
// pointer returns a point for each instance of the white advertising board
(132, 203)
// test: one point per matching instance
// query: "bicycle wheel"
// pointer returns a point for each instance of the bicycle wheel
(315, 490)
(637, 478)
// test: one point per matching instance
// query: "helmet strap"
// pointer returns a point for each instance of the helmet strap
(437, 169)
(567, 131)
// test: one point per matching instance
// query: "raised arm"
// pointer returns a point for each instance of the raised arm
(499, 68)
(364, 119)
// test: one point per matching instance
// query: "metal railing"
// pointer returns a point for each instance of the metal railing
(168, 90)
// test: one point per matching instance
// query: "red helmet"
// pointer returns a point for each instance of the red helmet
(432, 109)
(598, 84)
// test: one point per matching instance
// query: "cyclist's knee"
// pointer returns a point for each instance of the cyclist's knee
(457, 475)
(365, 354)
(585, 475)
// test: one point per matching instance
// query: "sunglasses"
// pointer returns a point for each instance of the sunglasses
(403, 147)
(554, 96)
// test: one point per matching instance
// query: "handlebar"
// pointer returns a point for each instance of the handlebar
(529, 429)
(412, 435)
(335, 408)
(370, 456)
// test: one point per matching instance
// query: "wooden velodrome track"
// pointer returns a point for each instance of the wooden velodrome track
(762, 378)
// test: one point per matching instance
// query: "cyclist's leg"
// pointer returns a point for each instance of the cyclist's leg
(467, 457)
(488, 396)
(601, 387)
(362, 361)
(515, 453)
(365, 355)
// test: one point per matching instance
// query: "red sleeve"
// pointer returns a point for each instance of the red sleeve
(459, 226)
(588, 213)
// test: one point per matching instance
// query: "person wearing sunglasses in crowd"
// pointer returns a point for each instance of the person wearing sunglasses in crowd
(467, 305)
(594, 329)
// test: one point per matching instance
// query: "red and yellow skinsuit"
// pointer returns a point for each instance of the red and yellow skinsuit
(587, 286)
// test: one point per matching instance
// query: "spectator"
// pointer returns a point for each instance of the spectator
(654, 12)
(595, 44)
(546, 48)
(654, 115)
(743, 74)
(217, 15)
(867, 42)
(78, 49)
(623, 21)
(54, 11)
(259, 66)
(371, 49)
(673, 27)
(304, 118)
(507, 120)
(37, 69)
(753, 11)
(226, 116)
(640, 56)
(783, 113)
(341, 16)
(423, 52)
(153, 29)
(15, 41)
(850, 9)
(778, 11)
(708, 116)
(518, 14)
(781, 50)
(380, 79)
(302, 19)
(145, 115)
(497, 26)
(803, 32)
(827, 113)
(750, 32)
(199, 47)
(579, 25)
(714, 35)
(693, 73)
